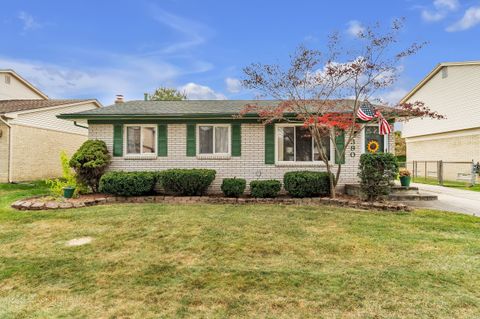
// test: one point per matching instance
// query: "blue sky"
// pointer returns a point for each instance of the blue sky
(83, 49)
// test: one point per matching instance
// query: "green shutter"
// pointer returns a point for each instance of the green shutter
(191, 141)
(162, 140)
(236, 139)
(340, 142)
(269, 144)
(118, 140)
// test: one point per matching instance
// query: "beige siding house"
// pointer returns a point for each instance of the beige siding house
(453, 90)
(31, 136)
(158, 135)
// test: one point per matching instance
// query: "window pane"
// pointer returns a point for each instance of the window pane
(221, 140)
(206, 139)
(285, 139)
(133, 139)
(373, 140)
(148, 140)
(303, 145)
(326, 146)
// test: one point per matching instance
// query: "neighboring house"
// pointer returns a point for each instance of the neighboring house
(453, 90)
(158, 135)
(31, 136)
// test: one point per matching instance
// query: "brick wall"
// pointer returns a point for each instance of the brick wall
(4, 153)
(36, 152)
(250, 165)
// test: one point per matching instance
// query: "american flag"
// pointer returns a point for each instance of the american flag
(365, 112)
(383, 127)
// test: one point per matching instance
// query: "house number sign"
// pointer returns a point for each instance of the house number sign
(352, 149)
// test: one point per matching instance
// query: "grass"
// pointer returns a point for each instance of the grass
(151, 261)
(453, 184)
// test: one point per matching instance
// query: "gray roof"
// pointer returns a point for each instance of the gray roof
(7, 106)
(185, 108)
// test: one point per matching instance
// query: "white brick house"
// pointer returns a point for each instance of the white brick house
(158, 135)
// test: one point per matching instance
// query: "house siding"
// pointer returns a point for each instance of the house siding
(36, 152)
(4, 155)
(47, 118)
(16, 89)
(249, 165)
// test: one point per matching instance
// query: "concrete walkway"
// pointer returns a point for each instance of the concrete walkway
(449, 199)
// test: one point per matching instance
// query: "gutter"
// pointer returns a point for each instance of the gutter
(78, 125)
(10, 149)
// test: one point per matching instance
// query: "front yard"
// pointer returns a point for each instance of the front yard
(150, 260)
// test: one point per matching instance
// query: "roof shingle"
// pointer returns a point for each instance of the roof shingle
(7, 106)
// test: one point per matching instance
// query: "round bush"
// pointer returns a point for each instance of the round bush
(264, 189)
(90, 162)
(307, 184)
(233, 187)
(128, 183)
(377, 173)
(188, 182)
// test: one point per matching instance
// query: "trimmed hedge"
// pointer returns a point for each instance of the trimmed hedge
(233, 187)
(377, 173)
(307, 184)
(264, 189)
(128, 183)
(187, 182)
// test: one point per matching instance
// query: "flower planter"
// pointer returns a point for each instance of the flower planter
(68, 192)
(405, 181)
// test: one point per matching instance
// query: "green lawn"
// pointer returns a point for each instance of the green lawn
(151, 261)
(453, 184)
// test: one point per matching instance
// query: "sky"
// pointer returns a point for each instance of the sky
(97, 49)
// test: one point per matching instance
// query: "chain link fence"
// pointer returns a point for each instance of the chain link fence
(444, 173)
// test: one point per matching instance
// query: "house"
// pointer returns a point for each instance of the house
(158, 135)
(31, 136)
(453, 90)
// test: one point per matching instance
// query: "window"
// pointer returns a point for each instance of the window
(7, 79)
(214, 139)
(141, 139)
(373, 141)
(444, 72)
(295, 144)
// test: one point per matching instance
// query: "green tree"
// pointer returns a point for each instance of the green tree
(167, 94)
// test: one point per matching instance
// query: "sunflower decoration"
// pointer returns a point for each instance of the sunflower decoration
(373, 146)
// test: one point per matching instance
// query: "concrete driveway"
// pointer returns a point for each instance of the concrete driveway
(449, 199)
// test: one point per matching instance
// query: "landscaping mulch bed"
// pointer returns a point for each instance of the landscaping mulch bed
(49, 203)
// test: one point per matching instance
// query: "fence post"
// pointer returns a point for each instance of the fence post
(426, 170)
(474, 174)
(440, 172)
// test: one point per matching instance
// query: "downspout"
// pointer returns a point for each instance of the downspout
(10, 148)
(78, 125)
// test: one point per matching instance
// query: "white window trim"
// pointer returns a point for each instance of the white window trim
(386, 143)
(295, 163)
(214, 155)
(140, 155)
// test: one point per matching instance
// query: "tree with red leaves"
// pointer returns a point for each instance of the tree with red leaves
(324, 90)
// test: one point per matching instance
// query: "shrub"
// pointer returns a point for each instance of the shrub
(233, 187)
(307, 184)
(90, 162)
(377, 173)
(187, 182)
(68, 178)
(263, 189)
(127, 183)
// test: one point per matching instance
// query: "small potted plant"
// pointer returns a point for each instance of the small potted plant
(68, 191)
(404, 177)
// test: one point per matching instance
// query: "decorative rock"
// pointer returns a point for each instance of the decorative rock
(26, 205)
(51, 205)
(78, 204)
(65, 205)
(37, 206)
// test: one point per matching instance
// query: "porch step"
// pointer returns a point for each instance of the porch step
(411, 197)
(398, 188)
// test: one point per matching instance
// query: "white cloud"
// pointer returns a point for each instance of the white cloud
(191, 33)
(200, 92)
(355, 28)
(28, 21)
(394, 95)
(123, 75)
(441, 9)
(233, 85)
(470, 19)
